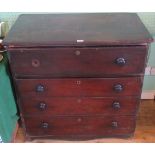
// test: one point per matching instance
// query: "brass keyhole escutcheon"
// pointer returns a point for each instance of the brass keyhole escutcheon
(78, 82)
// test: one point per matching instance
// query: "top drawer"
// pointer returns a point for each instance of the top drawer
(78, 62)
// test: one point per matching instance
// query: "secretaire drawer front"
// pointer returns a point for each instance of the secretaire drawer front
(78, 125)
(52, 106)
(92, 87)
(78, 62)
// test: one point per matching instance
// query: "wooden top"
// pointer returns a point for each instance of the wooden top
(78, 29)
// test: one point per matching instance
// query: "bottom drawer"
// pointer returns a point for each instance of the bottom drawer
(80, 126)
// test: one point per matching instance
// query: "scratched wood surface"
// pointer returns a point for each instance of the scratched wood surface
(77, 29)
(145, 130)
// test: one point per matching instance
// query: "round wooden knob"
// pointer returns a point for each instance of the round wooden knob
(118, 87)
(42, 106)
(120, 61)
(40, 88)
(116, 105)
(114, 124)
(45, 125)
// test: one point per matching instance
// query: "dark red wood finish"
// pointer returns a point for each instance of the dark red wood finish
(90, 87)
(77, 29)
(52, 106)
(79, 125)
(70, 69)
(74, 62)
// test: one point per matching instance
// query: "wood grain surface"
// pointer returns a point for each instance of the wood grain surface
(86, 87)
(54, 106)
(82, 29)
(145, 129)
(78, 62)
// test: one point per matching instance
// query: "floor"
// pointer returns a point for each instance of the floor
(145, 130)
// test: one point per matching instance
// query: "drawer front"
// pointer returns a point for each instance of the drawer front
(93, 87)
(70, 126)
(53, 106)
(78, 62)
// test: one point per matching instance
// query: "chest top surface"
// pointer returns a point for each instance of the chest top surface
(78, 29)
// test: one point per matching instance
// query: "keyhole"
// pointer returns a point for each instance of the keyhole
(78, 82)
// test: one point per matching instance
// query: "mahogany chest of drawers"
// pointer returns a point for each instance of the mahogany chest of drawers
(78, 76)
